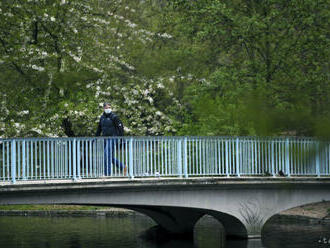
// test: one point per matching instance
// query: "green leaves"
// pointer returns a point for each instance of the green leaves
(203, 67)
(263, 48)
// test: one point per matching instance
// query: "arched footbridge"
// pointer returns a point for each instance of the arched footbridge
(242, 182)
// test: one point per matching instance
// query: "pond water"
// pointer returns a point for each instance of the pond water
(128, 232)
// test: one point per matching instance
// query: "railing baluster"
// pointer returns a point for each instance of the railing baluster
(35, 159)
(74, 160)
(227, 158)
(237, 158)
(13, 161)
(287, 155)
(23, 160)
(32, 160)
(131, 172)
(18, 165)
(179, 157)
(3, 160)
(185, 158)
(273, 159)
(40, 160)
(78, 159)
(317, 162)
(230, 154)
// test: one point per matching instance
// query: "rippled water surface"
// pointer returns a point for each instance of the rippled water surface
(127, 232)
(297, 235)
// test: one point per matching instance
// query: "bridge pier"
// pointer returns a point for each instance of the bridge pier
(175, 220)
(234, 228)
(180, 221)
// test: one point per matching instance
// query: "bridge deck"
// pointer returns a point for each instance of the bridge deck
(159, 182)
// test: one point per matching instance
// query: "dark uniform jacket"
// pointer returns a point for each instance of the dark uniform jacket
(108, 125)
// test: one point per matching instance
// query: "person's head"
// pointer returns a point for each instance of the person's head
(106, 107)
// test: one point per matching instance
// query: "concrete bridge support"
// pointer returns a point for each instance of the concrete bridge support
(234, 228)
(177, 221)
(181, 221)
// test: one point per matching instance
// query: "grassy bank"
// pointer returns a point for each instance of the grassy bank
(317, 210)
(52, 207)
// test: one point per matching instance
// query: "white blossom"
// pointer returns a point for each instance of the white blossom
(96, 69)
(37, 130)
(75, 57)
(24, 112)
(17, 125)
(37, 68)
(135, 92)
(160, 86)
(165, 35)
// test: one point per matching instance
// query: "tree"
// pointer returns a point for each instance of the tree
(265, 49)
(61, 59)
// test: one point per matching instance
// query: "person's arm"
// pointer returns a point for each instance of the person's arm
(118, 125)
(116, 119)
(99, 129)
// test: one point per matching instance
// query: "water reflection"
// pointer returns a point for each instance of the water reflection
(125, 232)
(89, 232)
(296, 235)
(209, 232)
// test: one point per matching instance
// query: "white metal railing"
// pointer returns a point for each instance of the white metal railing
(76, 158)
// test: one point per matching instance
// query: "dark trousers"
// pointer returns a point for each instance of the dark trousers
(109, 156)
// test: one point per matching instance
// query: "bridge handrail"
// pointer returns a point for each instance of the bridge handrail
(145, 156)
(173, 137)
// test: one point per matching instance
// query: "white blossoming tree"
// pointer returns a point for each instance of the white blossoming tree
(61, 59)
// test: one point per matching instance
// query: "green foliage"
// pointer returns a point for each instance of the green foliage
(269, 78)
(49, 207)
(62, 59)
(206, 67)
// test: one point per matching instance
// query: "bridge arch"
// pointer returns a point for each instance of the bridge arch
(182, 220)
(266, 221)
(234, 228)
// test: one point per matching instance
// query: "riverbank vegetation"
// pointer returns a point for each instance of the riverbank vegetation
(51, 207)
(319, 210)
(173, 67)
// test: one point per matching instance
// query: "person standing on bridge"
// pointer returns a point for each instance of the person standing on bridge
(110, 126)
